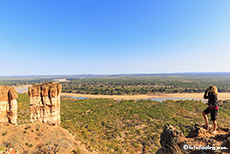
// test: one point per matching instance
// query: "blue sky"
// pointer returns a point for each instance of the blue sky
(56, 37)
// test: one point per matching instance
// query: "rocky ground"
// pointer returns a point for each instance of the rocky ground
(38, 138)
(199, 141)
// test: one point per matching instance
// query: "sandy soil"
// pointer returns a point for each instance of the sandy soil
(221, 96)
(22, 88)
(60, 80)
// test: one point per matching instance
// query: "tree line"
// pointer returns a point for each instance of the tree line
(144, 85)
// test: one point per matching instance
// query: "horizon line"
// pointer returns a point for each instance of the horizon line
(112, 74)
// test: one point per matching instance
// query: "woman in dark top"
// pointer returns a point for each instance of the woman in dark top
(211, 94)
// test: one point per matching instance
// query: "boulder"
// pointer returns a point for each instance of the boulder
(169, 140)
(196, 131)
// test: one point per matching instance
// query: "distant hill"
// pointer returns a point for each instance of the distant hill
(80, 76)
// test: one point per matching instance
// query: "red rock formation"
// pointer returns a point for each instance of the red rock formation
(8, 104)
(198, 141)
(45, 103)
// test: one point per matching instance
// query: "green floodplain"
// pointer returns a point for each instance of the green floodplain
(107, 125)
(128, 126)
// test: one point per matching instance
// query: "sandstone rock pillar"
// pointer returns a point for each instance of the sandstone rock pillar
(45, 103)
(8, 104)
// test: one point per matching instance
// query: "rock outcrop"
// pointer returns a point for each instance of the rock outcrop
(169, 140)
(45, 103)
(8, 104)
(39, 138)
(198, 141)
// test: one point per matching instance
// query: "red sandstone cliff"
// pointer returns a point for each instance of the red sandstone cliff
(8, 104)
(45, 103)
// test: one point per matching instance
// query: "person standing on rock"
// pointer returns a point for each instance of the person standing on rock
(211, 94)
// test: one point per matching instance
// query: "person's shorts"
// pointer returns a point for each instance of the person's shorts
(213, 113)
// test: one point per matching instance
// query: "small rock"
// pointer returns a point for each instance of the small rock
(196, 131)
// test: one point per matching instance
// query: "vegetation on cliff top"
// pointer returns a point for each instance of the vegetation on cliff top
(111, 126)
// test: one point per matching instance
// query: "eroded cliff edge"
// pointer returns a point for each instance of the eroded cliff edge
(45, 103)
(8, 104)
